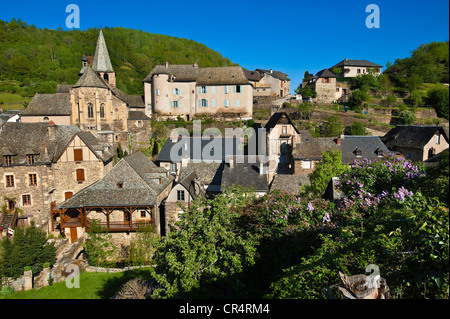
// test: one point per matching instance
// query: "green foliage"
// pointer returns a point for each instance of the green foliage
(99, 248)
(39, 59)
(205, 247)
(305, 109)
(28, 248)
(357, 98)
(439, 98)
(357, 128)
(332, 127)
(143, 246)
(306, 92)
(330, 166)
(364, 82)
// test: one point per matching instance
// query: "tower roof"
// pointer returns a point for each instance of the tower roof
(102, 62)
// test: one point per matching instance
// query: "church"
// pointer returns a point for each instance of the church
(95, 104)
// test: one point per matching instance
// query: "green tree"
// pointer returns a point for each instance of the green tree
(357, 98)
(439, 98)
(143, 246)
(306, 92)
(28, 248)
(332, 127)
(357, 128)
(206, 247)
(330, 166)
(99, 247)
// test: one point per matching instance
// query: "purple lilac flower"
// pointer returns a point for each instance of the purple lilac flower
(310, 206)
(326, 218)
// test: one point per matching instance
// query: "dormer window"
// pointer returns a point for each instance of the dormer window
(357, 152)
(7, 160)
(31, 159)
(120, 185)
(438, 139)
(379, 152)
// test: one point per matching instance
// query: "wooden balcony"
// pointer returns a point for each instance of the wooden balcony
(120, 226)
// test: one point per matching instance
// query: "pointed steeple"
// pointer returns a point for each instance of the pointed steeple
(102, 63)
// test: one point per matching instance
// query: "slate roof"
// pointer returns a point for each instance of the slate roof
(246, 175)
(209, 174)
(411, 136)
(325, 73)
(91, 79)
(63, 88)
(102, 62)
(22, 139)
(279, 118)
(363, 63)
(141, 185)
(290, 184)
(198, 149)
(252, 75)
(368, 145)
(49, 104)
(276, 74)
(202, 76)
(137, 115)
(308, 147)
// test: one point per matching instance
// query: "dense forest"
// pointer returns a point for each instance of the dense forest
(36, 60)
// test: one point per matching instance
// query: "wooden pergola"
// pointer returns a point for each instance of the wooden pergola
(78, 217)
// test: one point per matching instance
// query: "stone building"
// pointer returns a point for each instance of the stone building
(324, 83)
(94, 104)
(269, 82)
(130, 195)
(44, 163)
(353, 68)
(189, 91)
(417, 142)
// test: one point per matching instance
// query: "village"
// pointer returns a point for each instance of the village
(84, 156)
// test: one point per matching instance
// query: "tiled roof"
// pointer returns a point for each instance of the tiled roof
(141, 183)
(91, 79)
(246, 175)
(411, 136)
(22, 139)
(290, 184)
(49, 104)
(276, 74)
(203, 76)
(102, 62)
(362, 63)
(367, 145)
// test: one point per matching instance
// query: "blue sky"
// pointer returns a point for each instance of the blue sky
(290, 35)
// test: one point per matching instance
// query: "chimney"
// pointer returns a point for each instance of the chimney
(231, 162)
(271, 71)
(51, 131)
(261, 167)
(338, 141)
(167, 65)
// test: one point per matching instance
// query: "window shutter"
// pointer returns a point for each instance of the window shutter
(78, 155)
(206, 89)
(238, 103)
(199, 103)
(80, 175)
(234, 89)
(213, 89)
(171, 104)
(226, 89)
(206, 103)
(213, 103)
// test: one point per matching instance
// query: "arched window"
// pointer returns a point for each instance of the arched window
(90, 110)
(102, 111)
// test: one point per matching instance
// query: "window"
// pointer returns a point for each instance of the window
(158, 92)
(203, 89)
(176, 91)
(143, 214)
(227, 103)
(26, 200)
(30, 159)
(213, 89)
(438, 139)
(180, 214)
(67, 195)
(358, 71)
(213, 103)
(226, 89)
(173, 168)
(325, 80)
(78, 155)
(203, 103)
(237, 89)
(32, 179)
(102, 111)
(9, 180)
(80, 175)
(119, 185)
(175, 104)
(90, 111)
(180, 196)
(7, 160)
(337, 89)
(284, 130)
(306, 164)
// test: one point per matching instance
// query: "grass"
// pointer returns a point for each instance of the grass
(92, 286)
(10, 101)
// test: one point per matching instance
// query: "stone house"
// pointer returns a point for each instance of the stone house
(417, 142)
(281, 139)
(187, 187)
(269, 82)
(130, 195)
(93, 103)
(353, 68)
(307, 153)
(324, 83)
(188, 91)
(43, 163)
